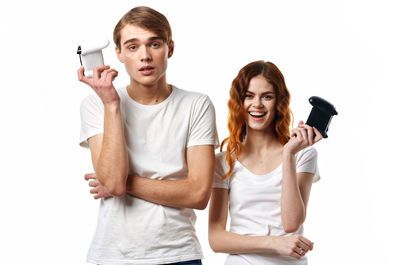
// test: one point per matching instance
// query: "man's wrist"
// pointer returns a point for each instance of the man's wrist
(112, 106)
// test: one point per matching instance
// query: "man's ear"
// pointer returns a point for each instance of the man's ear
(119, 55)
(171, 47)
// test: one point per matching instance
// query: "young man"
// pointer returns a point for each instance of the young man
(152, 148)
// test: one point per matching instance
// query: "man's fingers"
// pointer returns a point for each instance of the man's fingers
(111, 75)
(93, 183)
(82, 77)
(90, 176)
(98, 70)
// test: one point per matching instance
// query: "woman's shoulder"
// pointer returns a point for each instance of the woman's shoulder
(308, 151)
(220, 160)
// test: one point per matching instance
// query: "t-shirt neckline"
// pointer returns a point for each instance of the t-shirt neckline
(144, 106)
(259, 175)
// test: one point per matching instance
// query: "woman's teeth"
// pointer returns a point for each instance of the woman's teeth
(257, 114)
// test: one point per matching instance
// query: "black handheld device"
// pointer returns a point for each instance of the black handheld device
(321, 114)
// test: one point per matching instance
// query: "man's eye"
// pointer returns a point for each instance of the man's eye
(132, 48)
(155, 45)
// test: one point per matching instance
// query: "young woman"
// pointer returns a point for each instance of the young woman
(264, 178)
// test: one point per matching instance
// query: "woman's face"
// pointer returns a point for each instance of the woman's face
(259, 104)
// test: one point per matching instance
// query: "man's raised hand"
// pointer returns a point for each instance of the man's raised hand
(101, 82)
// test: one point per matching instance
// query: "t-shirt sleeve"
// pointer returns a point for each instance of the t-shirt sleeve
(202, 127)
(306, 161)
(219, 172)
(92, 119)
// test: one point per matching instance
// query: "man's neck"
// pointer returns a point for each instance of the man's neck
(149, 95)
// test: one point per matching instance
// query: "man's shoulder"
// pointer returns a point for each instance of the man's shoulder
(91, 100)
(189, 95)
(195, 101)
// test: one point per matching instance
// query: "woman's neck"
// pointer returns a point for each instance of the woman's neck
(260, 142)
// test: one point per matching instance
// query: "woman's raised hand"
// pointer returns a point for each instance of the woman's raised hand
(301, 137)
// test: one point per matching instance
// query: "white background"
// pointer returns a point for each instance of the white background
(344, 51)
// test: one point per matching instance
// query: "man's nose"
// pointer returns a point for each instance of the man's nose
(145, 55)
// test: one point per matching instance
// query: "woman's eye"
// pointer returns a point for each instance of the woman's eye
(268, 97)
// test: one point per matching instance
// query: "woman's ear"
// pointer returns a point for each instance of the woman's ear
(171, 47)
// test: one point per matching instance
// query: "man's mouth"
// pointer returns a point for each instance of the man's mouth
(146, 69)
(257, 114)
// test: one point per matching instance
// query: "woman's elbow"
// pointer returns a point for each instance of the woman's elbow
(292, 227)
(213, 242)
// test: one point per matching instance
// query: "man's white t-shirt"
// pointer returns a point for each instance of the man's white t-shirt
(134, 231)
(255, 204)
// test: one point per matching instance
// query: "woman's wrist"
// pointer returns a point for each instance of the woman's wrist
(287, 153)
(270, 243)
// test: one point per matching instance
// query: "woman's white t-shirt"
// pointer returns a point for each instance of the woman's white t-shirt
(255, 204)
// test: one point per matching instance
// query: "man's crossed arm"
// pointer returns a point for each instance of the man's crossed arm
(192, 192)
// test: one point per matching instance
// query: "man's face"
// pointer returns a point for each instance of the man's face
(145, 55)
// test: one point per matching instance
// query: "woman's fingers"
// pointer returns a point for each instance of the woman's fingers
(306, 241)
(304, 136)
(304, 247)
(318, 135)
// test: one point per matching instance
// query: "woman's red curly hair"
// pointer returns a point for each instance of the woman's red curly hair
(236, 120)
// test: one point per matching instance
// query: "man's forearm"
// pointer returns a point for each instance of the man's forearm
(172, 193)
(112, 164)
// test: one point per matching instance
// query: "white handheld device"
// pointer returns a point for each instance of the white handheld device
(91, 55)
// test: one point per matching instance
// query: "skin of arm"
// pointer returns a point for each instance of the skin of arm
(296, 188)
(224, 241)
(191, 192)
(108, 150)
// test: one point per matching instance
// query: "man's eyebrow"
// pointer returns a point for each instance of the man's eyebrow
(149, 39)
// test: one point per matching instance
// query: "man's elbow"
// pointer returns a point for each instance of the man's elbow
(200, 199)
(117, 190)
(116, 186)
